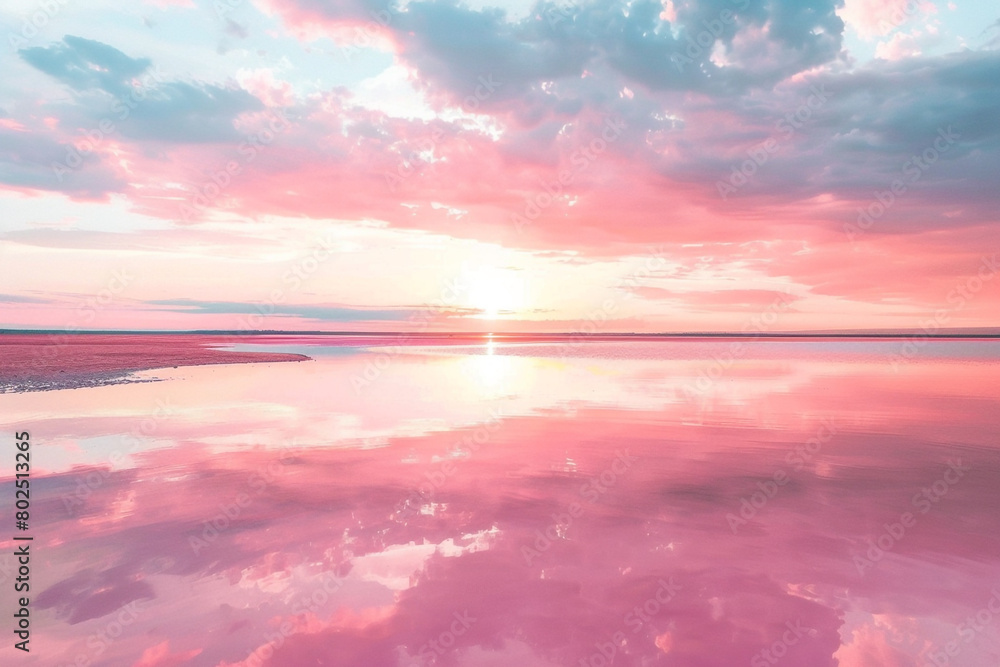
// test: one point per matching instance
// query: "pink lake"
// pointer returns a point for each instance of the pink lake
(493, 503)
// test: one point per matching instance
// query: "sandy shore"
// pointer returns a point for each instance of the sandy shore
(48, 361)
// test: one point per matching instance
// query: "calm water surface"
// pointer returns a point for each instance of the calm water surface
(522, 504)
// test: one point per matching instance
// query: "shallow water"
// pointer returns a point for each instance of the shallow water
(512, 503)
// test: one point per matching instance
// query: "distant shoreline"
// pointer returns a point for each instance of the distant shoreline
(30, 363)
(960, 334)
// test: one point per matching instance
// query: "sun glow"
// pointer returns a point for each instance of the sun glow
(493, 373)
(496, 291)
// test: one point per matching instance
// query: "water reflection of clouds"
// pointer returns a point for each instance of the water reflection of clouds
(305, 560)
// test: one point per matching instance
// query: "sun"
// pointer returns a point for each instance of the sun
(496, 291)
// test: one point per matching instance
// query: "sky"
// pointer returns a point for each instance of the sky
(717, 165)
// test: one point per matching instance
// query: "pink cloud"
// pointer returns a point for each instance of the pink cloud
(871, 18)
(160, 656)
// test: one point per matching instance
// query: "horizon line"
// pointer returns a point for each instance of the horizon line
(957, 333)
